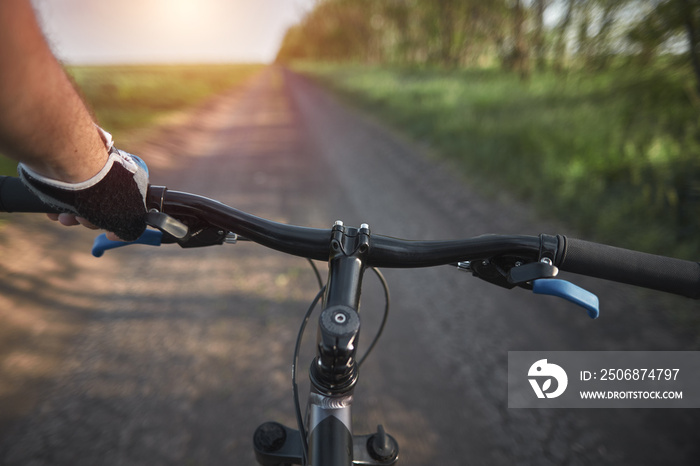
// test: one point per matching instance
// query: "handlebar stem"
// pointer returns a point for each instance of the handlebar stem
(334, 371)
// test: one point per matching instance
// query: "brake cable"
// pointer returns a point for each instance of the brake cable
(387, 301)
(295, 361)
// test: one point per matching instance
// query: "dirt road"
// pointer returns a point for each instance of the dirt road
(175, 356)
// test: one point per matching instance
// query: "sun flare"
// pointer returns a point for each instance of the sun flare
(183, 10)
(167, 31)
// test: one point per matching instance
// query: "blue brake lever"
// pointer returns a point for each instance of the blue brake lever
(102, 244)
(570, 292)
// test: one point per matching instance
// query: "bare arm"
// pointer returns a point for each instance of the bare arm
(43, 121)
(45, 125)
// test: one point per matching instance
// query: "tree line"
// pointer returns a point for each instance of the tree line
(519, 35)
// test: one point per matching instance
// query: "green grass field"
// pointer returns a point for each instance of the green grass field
(126, 98)
(616, 155)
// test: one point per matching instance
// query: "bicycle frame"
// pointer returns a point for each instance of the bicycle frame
(333, 374)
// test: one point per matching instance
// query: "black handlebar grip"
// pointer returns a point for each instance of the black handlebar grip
(16, 197)
(632, 267)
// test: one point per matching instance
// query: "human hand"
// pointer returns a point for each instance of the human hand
(113, 200)
(72, 220)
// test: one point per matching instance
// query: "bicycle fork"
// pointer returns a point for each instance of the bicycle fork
(333, 374)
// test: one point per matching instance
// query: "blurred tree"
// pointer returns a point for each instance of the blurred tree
(690, 10)
(334, 30)
(538, 33)
(519, 57)
(453, 33)
(561, 35)
(666, 25)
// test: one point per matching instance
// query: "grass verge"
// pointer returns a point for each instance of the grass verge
(614, 154)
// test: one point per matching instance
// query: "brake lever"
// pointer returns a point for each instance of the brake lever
(170, 230)
(570, 292)
(540, 275)
(149, 237)
(167, 224)
(529, 272)
(537, 276)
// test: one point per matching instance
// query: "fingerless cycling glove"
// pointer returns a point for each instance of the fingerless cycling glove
(113, 199)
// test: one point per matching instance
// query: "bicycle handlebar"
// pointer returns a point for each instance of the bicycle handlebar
(313, 243)
(632, 267)
(16, 197)
(577, 256)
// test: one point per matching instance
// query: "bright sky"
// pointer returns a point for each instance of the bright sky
(138, 31)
